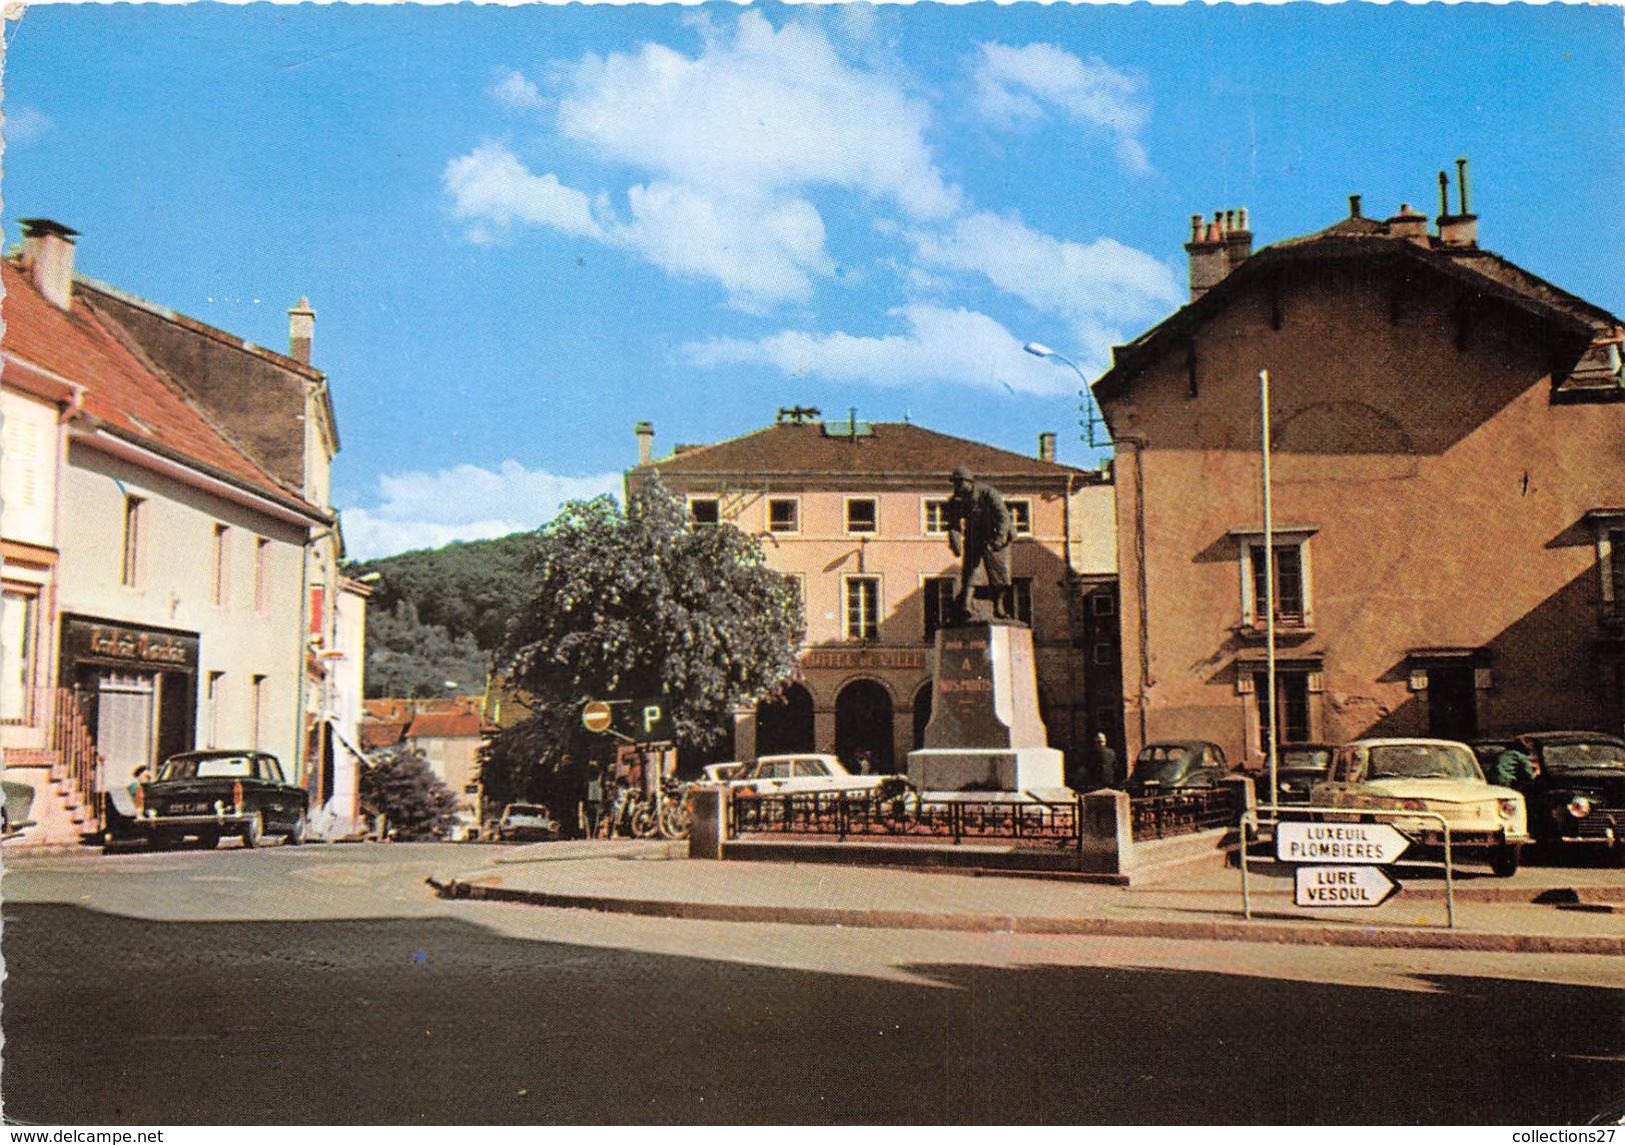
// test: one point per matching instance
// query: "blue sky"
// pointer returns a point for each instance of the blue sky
(525, 229)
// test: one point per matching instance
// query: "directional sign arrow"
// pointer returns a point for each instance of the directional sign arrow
(1338, 843)
(1343, 886)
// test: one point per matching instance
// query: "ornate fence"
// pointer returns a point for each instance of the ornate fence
(1183, 812)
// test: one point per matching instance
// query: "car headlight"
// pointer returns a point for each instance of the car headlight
(1507, 807)
(1579, 806)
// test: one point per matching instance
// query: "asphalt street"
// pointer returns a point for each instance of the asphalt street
(327, 985)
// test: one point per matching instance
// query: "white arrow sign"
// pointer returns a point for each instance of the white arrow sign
(1338, 843)
(1343, 886)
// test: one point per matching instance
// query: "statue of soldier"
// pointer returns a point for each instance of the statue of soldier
(980, 532)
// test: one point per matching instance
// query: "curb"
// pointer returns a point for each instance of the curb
(1218, 930)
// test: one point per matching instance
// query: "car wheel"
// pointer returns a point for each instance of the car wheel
(1504, 860)
(296, 833)
(209, 841)
(254, 831)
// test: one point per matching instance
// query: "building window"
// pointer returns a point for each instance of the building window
(130, 569)
(862, 607)
(19, 622)
(862, 515)
(783, 515)
(1288, 585)
(1294, 605)
(1616, 543)
(1291, 702)
(262, 575)
(1102, 603)
(215, 701)
(1610, 527)
(938, 595)
(934, 516)
(704, 510)
(1021, 517)
(222, 566)
(257, 711)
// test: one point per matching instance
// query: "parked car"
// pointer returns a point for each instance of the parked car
(789, 774)
(1440, 776)
(526, 823)
(1176, 765)
(1578, 793)
(721, 772)
(14, 812)
(206, 795)
(1298, 767)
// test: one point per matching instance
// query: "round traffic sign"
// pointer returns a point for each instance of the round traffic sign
(595, 716)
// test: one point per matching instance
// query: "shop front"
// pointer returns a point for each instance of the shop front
(136, 689)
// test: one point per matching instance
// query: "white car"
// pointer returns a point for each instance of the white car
(1434, 775)
(790, 774)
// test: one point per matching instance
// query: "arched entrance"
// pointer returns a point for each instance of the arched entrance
(785, 724)
(922, 713)
(863, 725)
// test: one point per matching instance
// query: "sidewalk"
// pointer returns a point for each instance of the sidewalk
(1541, 909)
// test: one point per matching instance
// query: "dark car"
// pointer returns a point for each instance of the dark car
(526, 823)
(1176, 765)
(1578, 795)
(1298, 767)
(204, 795)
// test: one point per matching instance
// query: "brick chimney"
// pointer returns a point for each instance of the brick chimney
(1217, 248)
(301, 331)
(1046, 446)
(48, 257)
(1409, 224)
(645, 431)
(1459, 229)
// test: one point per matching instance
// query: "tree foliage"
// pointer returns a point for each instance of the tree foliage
(411, 659)
(633, 604)
(401, 785)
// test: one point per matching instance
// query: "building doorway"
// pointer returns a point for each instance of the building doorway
(922, 713)
(1452, 702)
(785, 724)
(125, 704)
(863, 726)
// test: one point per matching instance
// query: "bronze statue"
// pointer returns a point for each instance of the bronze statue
(980, 532)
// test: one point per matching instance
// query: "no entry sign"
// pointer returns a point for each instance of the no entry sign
(596, 716)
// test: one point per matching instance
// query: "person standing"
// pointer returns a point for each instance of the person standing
(1104, 760)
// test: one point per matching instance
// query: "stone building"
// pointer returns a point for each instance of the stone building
(853, 513)
(1448, 448)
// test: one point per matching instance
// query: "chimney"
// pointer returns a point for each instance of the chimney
(301, 331)
(1354, 206)
(1409, 224)
(48, 256)
(1046, 446)
(1217, 248)
(1459, 230)
(645, 431)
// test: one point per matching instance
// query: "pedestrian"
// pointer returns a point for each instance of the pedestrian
(593, 806)
(1515, 766)
(979, 533)
(138, 780)
(1104, 760)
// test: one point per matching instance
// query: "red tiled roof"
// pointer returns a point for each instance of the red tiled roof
(892, 448)
(120, 389)
(381, 733)
(445, 725)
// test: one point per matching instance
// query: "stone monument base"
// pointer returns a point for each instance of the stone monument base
(986, 769)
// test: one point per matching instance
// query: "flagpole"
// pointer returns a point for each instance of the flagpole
(1269, 585)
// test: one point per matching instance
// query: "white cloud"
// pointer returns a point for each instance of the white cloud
(25, 125)
(1097, 287)
(423, 510)
(939, 346)
(490, 184)
(1017, 87)
(516, 92)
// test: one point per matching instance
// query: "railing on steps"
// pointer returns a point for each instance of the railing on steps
(76, 762)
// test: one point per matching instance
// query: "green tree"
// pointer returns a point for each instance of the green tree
(411, 659)
(638, 603)
(401, 785)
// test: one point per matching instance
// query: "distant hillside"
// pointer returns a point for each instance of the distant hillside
(440, 614)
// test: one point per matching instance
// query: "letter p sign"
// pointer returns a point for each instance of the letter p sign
(651, 717)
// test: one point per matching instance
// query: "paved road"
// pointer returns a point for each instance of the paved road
(325, 985)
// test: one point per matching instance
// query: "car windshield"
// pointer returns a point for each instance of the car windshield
(1305, 758)
(1422, 761)
(1160, 763)
(207, 767)
(1574, 756)
(526, 811)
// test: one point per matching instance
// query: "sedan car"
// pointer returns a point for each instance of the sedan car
(1433, 775)
(1176, 765)
(1298, 767)
(1578, 793)
(792, 774)
(526, 823)
(206, 795)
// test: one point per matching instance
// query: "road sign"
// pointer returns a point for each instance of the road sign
(1338, 843)
(650, 720)
(596, 716)
(1342, 886)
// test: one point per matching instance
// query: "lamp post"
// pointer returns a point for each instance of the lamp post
(1086, 402)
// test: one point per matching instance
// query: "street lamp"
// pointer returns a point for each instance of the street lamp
(1086, 403)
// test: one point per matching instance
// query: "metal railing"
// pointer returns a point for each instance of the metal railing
(63, 745)
(844, 814)
(1171, 813)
